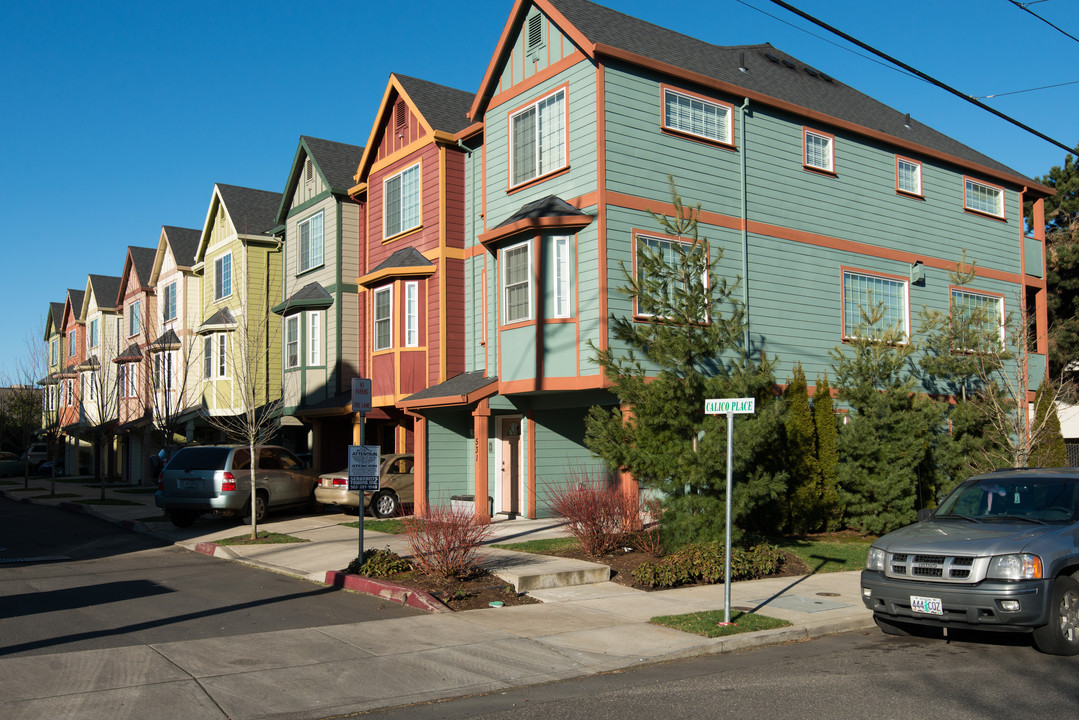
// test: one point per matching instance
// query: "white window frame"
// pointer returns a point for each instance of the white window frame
(168, 302)
(524, 283)
(310, 246)
(562, 275)
(221, 277)
(121, 379)
(382, 323)
(412, 314)
(89, 382)
(314, 338)
(915, 173)
(133, 380)
(222, 355)
(644, 239)
(549, 145)
(133, 319)
(980, 190)
(292, 342)
(851, 310)
(959, 293)
(691, 115)
(406, 188)
(72, 341)
(827, 165)
(54, 351)
(93, 334)
(208, 357)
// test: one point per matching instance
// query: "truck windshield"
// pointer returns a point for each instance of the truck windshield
(1023, 499)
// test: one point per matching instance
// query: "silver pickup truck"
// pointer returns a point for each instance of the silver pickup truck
(1000, 553)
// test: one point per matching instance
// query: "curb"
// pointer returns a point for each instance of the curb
(386, 590)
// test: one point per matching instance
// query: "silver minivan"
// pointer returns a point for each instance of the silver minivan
(217, 479)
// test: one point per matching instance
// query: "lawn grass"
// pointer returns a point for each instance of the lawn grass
(541, 546)
(707, 624)
(832, 553)
(106, 501)
(392, 526)
(263, 538)
(32, 488)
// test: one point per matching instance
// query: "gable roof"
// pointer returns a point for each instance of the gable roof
(407, 261)
(252, 213)
(184, 243)
(105, 288)
(312, 295)
(142, 260)
(73, 304)
(54, 319)
(335, 161)
(771, 77)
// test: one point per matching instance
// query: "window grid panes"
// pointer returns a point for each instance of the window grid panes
(667, 252)
(92, 334)
(909, 176)
(561, 277)
(539, 138)
(517, 285)
(697, 117)
(168, 304)
(985, 198)
(221, 358)
(818, 151)
(208, 357)
(972, 309)
(412, 314)
(292, 341)
(310, 231)
(133, 319)
(402, 201)
(864, 292)
(314, 338)
(223, 277)
(383, 318)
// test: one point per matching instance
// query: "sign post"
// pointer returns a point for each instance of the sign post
(729, 407)
(360, 469)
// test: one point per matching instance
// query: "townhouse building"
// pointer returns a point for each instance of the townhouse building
(136, 304)
(97, 373)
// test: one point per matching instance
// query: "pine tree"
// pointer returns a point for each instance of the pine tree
(1048, 448)
(805, 491)
(827, 430)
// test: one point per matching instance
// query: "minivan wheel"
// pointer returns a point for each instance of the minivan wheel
(260, 510)
(1061, 635)
(384, 504)
(183, 518)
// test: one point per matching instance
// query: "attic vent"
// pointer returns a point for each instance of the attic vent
(810, 72)
(771, 57)
(535, 32)
(826, 78)
(789, 64)
(309, 170)
(400, 113)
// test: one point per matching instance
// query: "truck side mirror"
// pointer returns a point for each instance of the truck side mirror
(924, 514)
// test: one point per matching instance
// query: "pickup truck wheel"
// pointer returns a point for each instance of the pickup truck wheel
(1061, 635)
(892, 627)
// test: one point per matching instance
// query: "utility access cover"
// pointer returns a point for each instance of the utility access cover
(800, 603)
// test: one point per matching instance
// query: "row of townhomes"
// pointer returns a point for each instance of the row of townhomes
(467, 257)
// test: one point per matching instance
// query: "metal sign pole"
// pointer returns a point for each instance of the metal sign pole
(363, 426)
(727, 548)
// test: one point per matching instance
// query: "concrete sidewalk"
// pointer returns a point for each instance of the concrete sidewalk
(577, 630)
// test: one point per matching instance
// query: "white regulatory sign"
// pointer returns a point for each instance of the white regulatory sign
(363, 461)
(722, 406)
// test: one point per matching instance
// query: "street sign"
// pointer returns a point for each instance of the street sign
(361, 395)
(722, 406)
(363, 461)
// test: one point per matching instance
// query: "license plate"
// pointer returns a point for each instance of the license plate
(190, 484)
(926, 605)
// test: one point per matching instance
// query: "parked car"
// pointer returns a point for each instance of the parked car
(395, 488)
(1001, 552)
(10, 464)
(217, 479)
(36, 454)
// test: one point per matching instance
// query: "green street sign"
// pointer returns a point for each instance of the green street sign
(722, 406)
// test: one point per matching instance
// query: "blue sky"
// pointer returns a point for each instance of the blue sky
(119, 117)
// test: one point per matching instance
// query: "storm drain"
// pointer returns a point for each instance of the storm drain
(802, 604)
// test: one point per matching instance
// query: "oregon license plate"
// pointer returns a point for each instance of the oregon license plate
(926, 605)
(191, 484)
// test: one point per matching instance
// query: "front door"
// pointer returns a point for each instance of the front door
(509, 432)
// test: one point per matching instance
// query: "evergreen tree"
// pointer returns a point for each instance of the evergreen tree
(1049, 449)
(827, 431)
(805, 492)
(684, 345)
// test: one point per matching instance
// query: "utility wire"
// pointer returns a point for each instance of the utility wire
(1016, 92)
(1024, 8)
(922, 75)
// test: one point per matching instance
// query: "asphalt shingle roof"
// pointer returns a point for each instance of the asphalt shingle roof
(106, 288)
(338, 161)
(550, 206)
(405, 257)
(253, 212)
(444, 107)
(462, 384)
(184, 243)
(143, 260)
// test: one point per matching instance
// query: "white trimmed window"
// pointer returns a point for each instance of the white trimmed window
(562, 280)
(908, 176)
(223, 277)
(292, 341)
(92, 334)
(121, 380)
(310, 232)
(978, 313)
(168, 302)
(819, 151)
(517, 283)
(54, 351)
(538, 138)
(71, 342)
(214, 356)
(222, 356)
(314, 338)
(695, 116)
(90, 383)
(412, 314)
(864, 292)
(983, 198)
(208, 357)
(133, 380)
(670, 253)
(384, 318)
(401, 201)
(133, 323)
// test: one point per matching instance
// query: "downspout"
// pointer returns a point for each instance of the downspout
(481, 330)
(745, 229)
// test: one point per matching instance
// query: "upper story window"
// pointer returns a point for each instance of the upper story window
(983, 198)
(412, 314)
(223, 277)
(517, 283)
(979, 319)
(54, 351)
(908, 176)
(659, 268)
(818, 150)
(864, 293)
(292, 341)
(314, 338)
(71, 342)
(695, 116)
(538, 138)
(92, 335)
(562, 276)
(401, 209)
(214, 356)
(133, 380)
(168, 302)
(133, 319)
(310, 232)
(384, 318)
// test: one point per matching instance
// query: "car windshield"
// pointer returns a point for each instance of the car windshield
(1030, 499)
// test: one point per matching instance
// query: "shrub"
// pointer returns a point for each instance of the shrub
(599, 513)
(648, 539)
(445, 542)
(703, 562)
(379, 563)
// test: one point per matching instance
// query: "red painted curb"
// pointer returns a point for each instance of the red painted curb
(385, 590)
(206, 548)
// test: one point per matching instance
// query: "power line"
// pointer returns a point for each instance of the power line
(922, 75)
(1016, 92)
(1024, 8)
